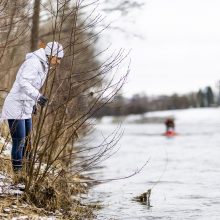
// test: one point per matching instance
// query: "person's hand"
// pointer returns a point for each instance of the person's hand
(34, 111)
(42, 101)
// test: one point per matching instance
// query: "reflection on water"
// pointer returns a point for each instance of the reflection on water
(183, 173)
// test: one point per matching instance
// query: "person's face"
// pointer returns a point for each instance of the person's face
(54, 61)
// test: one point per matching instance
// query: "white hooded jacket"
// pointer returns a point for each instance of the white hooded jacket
(25, 90)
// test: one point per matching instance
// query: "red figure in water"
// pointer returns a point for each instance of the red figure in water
(170, 127)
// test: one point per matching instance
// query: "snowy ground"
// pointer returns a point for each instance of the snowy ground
(10, 194)
(6, 181)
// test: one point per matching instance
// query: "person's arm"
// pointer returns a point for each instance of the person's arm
(27, 75)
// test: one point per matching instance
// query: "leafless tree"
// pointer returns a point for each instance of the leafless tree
(35, 25)
(76, 90)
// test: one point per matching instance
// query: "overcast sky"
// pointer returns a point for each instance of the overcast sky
(175, 45)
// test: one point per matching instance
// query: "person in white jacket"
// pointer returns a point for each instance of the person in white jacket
(24, 96)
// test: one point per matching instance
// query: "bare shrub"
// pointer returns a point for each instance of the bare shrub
(76, 91)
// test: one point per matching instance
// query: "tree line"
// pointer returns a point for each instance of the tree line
(141, 103)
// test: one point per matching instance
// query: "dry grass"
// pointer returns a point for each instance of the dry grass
(6, 166)
(63, 195)
(4, 130)
(15, 207)
(60, 199)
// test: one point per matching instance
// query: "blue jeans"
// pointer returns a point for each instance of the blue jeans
(20, 132)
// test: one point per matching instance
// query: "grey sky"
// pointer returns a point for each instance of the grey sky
(176, 47)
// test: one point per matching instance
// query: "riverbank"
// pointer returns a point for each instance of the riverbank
(16, 204)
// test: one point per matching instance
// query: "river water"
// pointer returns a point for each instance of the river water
(183, 172)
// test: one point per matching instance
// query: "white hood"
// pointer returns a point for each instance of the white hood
(40, 54)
